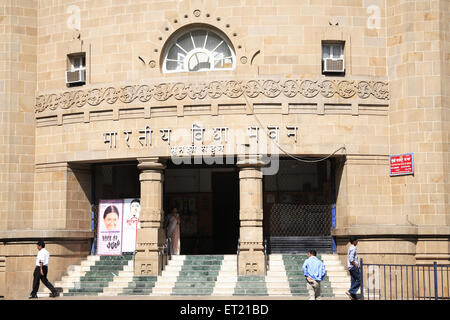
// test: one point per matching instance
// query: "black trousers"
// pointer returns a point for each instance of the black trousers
(37, 278)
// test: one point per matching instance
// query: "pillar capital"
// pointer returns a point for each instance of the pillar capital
(250, 161)
(151, 163)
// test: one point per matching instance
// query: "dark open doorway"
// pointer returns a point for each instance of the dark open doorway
(225, 186)
(207, 198)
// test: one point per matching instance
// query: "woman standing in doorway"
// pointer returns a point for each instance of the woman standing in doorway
(173, 231)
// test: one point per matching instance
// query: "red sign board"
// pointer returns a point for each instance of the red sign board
(401, 164)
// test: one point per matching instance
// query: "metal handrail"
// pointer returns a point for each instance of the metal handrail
(237, 256)
(163, 256)
(169, 248)
(266, 261)
(405, 281)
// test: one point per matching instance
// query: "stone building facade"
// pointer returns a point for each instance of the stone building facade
(271, 96)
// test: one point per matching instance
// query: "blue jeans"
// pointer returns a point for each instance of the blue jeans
(355, 280)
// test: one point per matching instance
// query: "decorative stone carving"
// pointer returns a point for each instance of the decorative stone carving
(146, 247)
(251, 268)
(213, 90)
(146, 269)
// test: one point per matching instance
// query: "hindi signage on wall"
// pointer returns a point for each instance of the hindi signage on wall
(402, 164)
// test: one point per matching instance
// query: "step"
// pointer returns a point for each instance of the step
(139, 291)
(280, 268)
(223, 291)
(276, 273)
(335, 268)
(163, 278)
(93, 258)
(120, 282)
(283, 291)
(189, 268)
(70, 278)
(177, 257)
(161, 291)
(223, 285)
(166, 285)
(250, 292)
(332, 263)
(340, 285)
(274, 285)
(88, 263)
(80, 268)
(191, 292)
(202, 262)
(111, 291)
(171, 267)
(340, 280)
(126, 274)
(168, 273)
(273, 263)
(276, 279)
(338, 273)
(194, 285)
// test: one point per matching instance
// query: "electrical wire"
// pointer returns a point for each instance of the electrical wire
(284, 151)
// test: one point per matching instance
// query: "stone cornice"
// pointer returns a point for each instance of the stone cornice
(392, 231)
(214, 89)
(12, 235)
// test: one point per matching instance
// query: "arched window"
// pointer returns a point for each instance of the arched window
(199, 50)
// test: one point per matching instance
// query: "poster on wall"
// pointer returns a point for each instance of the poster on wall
(402, 164)
(131, 222)
(109, 238)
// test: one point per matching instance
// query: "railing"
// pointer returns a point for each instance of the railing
(266, 260)
(404, 282)
(163, 255)
(237, 256)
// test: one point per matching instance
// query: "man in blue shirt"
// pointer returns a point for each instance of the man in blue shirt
(314, 272)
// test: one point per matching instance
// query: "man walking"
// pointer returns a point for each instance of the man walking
(40, 271)
(314, 272)
(353, 268)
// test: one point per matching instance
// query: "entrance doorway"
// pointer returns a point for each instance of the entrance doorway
(207, 198)
(299, 206)
(225, 186)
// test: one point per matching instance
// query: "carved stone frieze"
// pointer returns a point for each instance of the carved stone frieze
(146, 248)
(213, 90)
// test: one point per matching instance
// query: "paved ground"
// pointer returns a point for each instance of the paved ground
(193, 298)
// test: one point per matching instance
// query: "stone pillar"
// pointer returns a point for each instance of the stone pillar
(151, 236)
(251, 259)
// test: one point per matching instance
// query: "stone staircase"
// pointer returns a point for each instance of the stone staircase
(293, 265)
(337, 274)
(94, 275)
(200, 275)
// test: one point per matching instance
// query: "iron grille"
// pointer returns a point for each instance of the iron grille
(291, 220)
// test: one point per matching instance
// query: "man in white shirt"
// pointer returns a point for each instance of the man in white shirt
(40, 271)
(353, 268)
